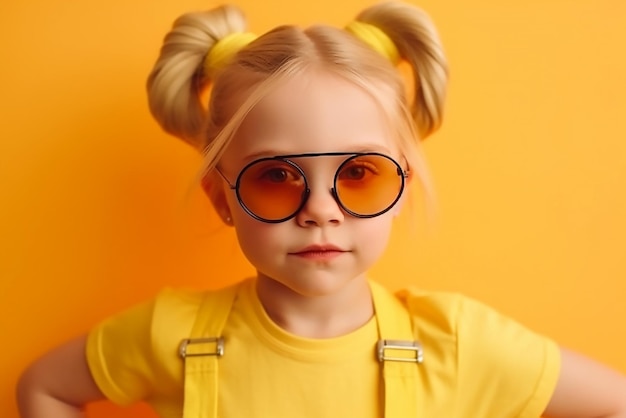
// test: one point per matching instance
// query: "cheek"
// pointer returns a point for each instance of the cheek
(374, 235)
(258, 241)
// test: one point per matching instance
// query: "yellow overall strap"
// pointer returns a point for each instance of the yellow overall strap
(399, 353)
(202, 351)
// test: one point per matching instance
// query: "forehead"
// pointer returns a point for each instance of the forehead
(313, 112)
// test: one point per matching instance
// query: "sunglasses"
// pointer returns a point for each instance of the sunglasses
(275, 189)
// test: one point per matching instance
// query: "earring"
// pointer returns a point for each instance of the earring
(228, 220)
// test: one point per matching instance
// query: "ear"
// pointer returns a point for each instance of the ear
(214, 189)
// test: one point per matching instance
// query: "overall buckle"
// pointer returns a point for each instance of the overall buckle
(198, 347)
(414, 348)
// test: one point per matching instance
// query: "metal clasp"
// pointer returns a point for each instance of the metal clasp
(216, 347)
(400, 345)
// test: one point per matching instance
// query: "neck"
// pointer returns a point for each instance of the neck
(317, 316)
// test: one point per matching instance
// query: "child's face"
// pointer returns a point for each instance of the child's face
(323, 247)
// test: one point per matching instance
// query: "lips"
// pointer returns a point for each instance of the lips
(320, 249)
(324, 252)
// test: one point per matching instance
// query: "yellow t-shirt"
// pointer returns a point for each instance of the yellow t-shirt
(477, 363)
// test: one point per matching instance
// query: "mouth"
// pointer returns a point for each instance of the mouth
(319, 252)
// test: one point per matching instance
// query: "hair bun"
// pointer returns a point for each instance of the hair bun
(179, 75)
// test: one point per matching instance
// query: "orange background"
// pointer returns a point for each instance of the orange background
(530, 169)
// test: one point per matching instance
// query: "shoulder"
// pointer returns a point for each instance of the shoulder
(157, 324)
(452, 312)
(175, 311)
(435, 312)
(478, 347)
(472, 324)
(134, 354)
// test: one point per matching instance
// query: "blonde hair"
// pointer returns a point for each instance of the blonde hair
(177, 81)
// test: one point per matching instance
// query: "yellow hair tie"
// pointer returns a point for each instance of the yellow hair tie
(225, 49)
(375, 38)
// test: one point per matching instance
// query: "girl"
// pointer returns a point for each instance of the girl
(310, 145)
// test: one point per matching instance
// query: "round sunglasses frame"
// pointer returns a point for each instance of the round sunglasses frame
(403, 174)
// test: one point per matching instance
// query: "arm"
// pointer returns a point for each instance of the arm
(586, 389)
(58, 384)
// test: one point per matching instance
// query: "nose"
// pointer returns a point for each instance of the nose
(321, 208)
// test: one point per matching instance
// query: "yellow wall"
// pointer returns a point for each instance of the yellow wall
(530, 169)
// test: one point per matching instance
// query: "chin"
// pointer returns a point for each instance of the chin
(317, 285)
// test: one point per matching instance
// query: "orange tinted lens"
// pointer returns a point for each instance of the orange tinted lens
(368, 184)
(271, 189)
